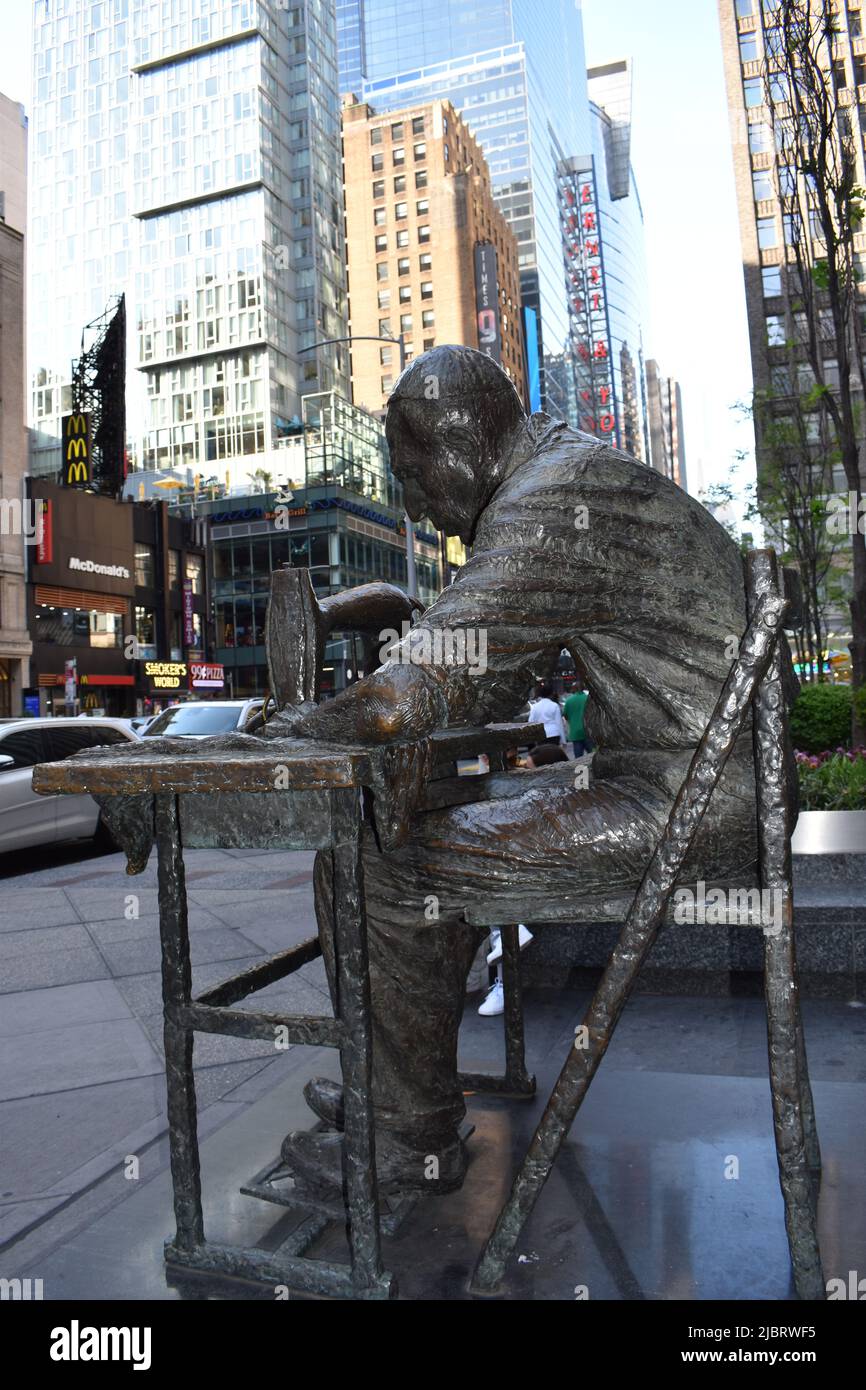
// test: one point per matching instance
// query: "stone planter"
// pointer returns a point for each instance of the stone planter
(831, 832)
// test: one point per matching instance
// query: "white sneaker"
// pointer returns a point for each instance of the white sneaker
(524, 936)
(495, 1001)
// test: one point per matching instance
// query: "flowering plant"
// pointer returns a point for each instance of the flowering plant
(834, 780)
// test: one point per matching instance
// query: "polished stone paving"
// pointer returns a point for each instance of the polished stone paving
(641, 1205)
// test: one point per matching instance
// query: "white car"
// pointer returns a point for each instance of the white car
(201, 718)
(27, 819)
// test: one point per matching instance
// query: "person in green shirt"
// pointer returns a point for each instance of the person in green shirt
(573, 709)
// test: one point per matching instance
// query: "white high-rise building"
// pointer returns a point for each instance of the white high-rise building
(186, 153)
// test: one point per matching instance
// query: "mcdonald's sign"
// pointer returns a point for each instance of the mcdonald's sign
(77, 447)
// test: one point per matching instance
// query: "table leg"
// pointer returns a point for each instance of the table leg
(353, 1009)
(176, 994)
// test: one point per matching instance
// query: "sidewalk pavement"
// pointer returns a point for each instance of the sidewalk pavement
(82, 1082)
(683, 1087)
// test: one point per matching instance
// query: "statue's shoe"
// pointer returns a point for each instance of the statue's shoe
(316, 1161)
(325, 1099)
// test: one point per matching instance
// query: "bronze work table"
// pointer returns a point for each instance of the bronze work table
(286, 794)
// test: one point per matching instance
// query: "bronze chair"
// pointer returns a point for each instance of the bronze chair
(754, 681)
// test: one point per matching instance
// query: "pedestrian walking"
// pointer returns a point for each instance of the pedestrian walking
(574, 710)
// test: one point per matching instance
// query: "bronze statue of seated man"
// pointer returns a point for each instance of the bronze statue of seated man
(574, 545)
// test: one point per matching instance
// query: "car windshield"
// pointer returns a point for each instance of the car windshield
(186, 721)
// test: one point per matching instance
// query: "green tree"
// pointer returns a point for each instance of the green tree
(822, 211)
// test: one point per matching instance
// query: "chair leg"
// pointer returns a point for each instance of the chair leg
(517, 1078)
(786, 1085)
(793, 1110)
(807, 1105)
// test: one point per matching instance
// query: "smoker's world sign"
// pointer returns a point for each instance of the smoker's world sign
(487, 301)
(77, 450)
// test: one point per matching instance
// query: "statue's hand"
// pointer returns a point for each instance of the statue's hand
(288, 723)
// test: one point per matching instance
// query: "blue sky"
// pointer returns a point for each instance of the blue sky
(682, 157)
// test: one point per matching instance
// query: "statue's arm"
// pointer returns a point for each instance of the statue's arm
(481, 671)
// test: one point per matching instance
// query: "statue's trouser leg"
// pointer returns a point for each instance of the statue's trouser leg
(546, 841)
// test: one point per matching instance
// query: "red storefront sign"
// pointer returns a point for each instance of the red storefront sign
(206, 675)
(45, 533)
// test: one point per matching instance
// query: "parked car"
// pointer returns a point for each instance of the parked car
(201, 718)
(139, 722)
(27, 819)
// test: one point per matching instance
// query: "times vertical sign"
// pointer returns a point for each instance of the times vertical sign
(487, 301)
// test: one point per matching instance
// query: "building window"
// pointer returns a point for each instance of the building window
(424, 233)
(417, 125)
(397, 130)
(762, 184)
(173, 569)
(382, 270)
(753, 90)
(791, 227)
(402, 238)
(405, 294)
(385, 356)
(429, 343)
(195, 572)
(775, 330)
(378, 188)
(748, 48)
(403, 265)
(745, 8)
(771, 275)
(831, 373)
(378, 163)
(767, 233)
(145, 566)
(379, 216)
(426, 289)
(425, 261)
(422, 207)
(381, 243)
(401, 210)
(420, 151)
(420, 178)
(759, 138)
(386, 383)
(780, 381)
(145, 633)
(398, 155)
(779, 90)
(428, 318)
(376, 135)
(405, 323)
(399, 183)
(384, 299)
(384, 328)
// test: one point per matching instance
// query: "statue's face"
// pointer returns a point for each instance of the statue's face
(439, 454)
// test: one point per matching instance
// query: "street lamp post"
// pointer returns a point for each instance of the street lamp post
(411, 576)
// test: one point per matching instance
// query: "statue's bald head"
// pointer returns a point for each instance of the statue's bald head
(451, 418)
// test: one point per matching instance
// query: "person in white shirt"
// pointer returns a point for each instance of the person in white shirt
(544, 709)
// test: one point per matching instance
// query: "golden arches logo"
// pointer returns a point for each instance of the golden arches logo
(76, 472)
(76, 424)
(76, 449)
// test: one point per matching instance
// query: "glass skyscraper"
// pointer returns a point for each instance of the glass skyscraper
(187, 153)
(623, 250)
(515, 70)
